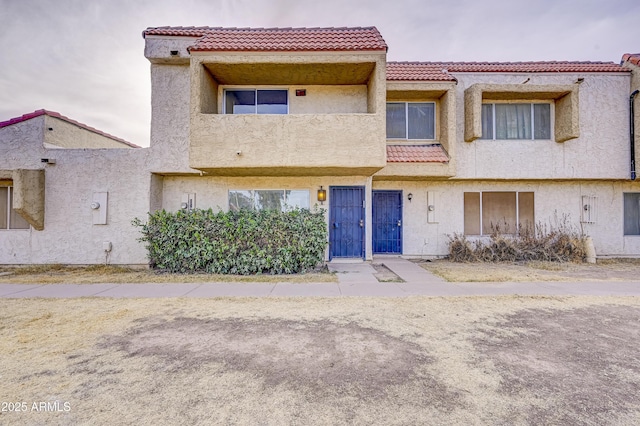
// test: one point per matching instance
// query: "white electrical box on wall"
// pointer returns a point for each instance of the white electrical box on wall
(99, 208)
(589, 209)
(188, 201)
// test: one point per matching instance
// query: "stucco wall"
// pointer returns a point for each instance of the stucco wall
(61, 133)
(328, 100)
(599, 153)
(69, 235)
(337, 125)
(170, 107)
(551, 200)
(21, 144)
(425, 235)
(286, 141)
(212, 192)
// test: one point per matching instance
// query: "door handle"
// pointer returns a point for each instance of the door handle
(361, 223)
(399, 223)
(335, 224)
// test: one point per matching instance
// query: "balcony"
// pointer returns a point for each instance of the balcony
(287, 145)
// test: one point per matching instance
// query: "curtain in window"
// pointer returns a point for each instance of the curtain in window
(396, 121)
(487, 121)
(421, 120)
(513, 121)
(542, 121)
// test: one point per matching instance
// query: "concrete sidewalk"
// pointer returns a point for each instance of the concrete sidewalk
(354, 279)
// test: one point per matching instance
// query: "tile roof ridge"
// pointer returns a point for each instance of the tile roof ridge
(633, 58)
(258, 28)
(434, 63)
(55, 114)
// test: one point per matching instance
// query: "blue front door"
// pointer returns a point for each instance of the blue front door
(387, 222)
(346, 221)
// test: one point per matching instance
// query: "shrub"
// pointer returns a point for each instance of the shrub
(237, 242)
(560, 243)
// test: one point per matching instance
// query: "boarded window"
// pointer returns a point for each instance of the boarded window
(505, 212)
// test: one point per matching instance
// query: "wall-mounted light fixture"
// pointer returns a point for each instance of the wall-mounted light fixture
(322, 195)
(410, 197)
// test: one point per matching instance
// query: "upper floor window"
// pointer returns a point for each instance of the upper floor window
(516, 121)
(251, 101)
(411, 120)
(9, 218)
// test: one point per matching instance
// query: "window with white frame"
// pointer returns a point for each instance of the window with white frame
(516, 121)
(506, 212)
(256, 101)
(632, 213)
(272, 199)
(411, 120)
(9, 218)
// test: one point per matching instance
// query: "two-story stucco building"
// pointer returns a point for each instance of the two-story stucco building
(400, 154)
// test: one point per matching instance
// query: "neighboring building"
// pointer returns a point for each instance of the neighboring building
(408, 153)
(52, 169)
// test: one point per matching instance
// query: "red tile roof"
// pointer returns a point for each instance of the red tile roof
(633, 58)
(41, 112)
(417, 71)
(438, 71)
(277, 39)
(433, 153)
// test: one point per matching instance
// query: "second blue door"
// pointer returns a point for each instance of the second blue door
(387, 222)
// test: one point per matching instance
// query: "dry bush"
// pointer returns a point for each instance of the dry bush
(552, 243)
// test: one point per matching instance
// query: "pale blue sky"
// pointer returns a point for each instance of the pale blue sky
(84, 58)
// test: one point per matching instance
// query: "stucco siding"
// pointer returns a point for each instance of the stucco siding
(170, 107)
(21, 144)
(60, 133)
(69, 235)
(213, 192)
(600, 152)
(554, 202)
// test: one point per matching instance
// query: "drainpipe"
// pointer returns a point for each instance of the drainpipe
(632, 135)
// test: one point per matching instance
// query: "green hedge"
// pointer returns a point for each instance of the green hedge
(242, 242)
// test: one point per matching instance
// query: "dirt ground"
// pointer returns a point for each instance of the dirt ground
(419, 360)
(603, 270)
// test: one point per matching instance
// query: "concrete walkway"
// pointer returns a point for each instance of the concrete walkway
(354, 279)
